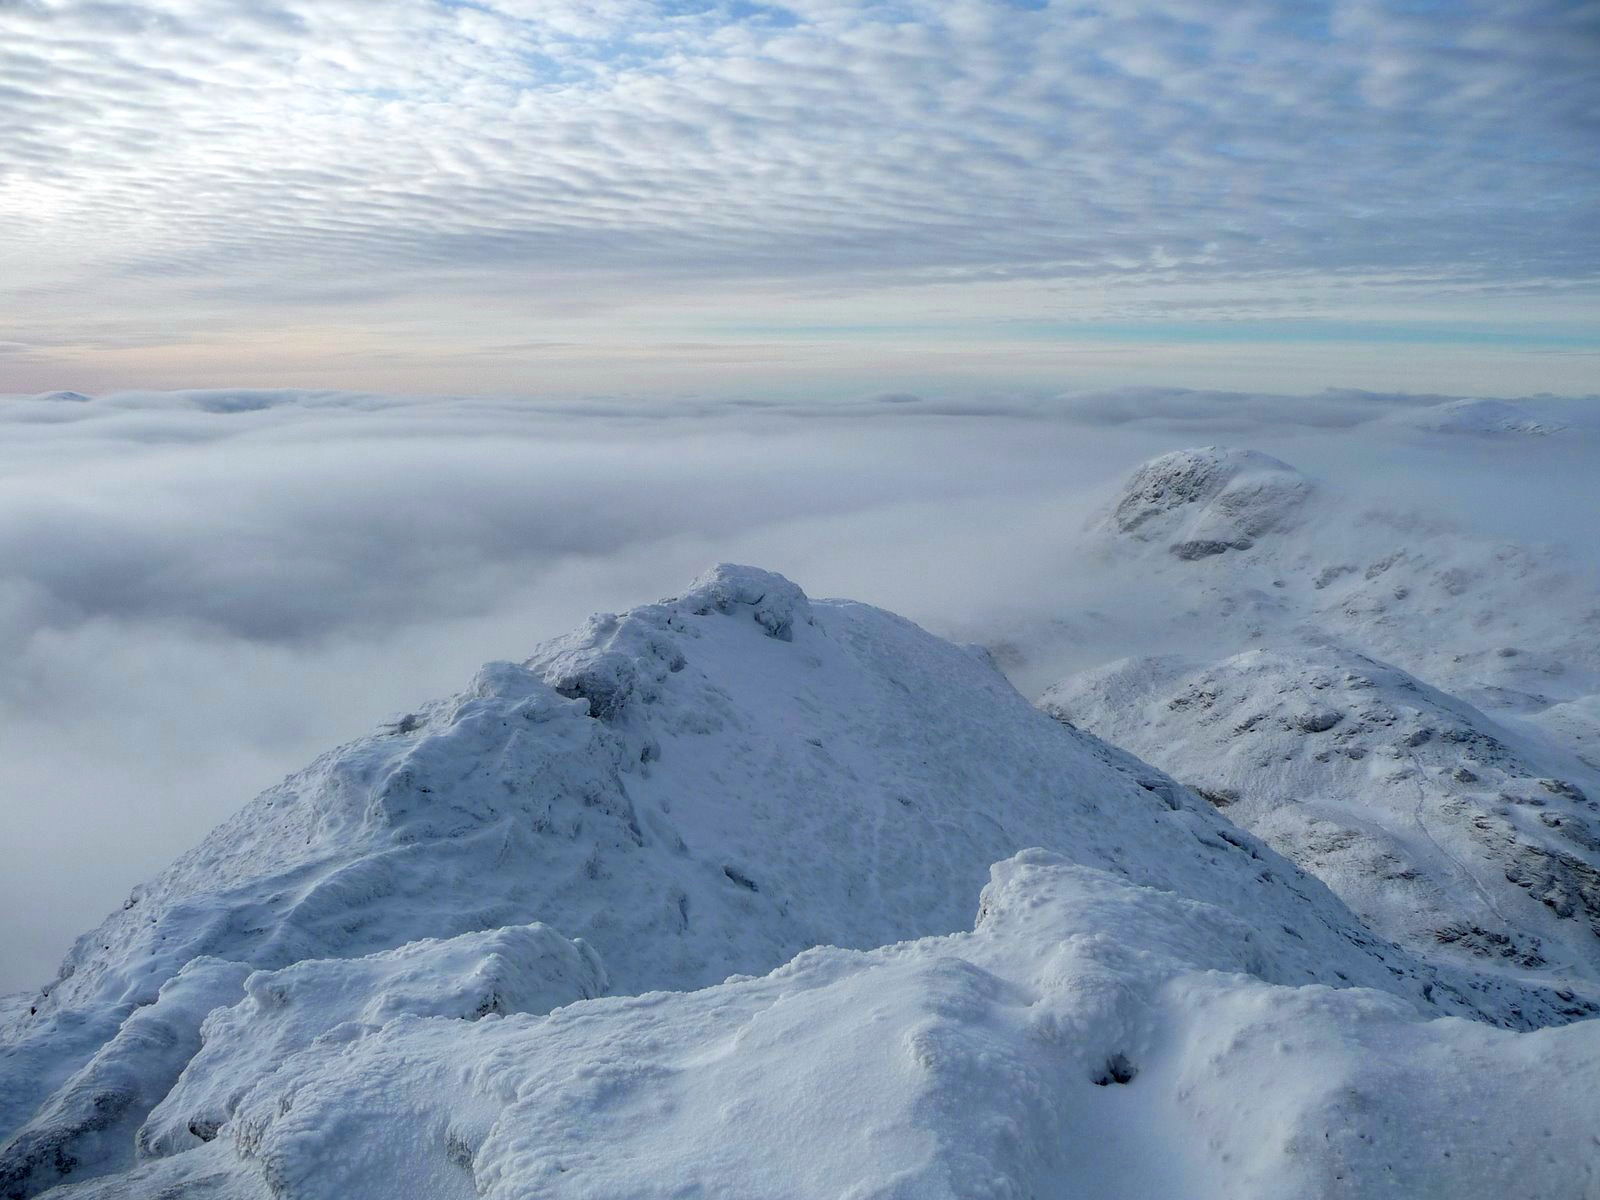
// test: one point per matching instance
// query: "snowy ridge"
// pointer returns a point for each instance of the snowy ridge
(1481, 417)
(1449, 797)
(699, 788)
(1441, 828)
(1510, 628)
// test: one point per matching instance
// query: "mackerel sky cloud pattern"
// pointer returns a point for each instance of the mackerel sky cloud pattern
(284, 164)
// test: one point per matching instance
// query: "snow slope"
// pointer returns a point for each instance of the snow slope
(1090, 1037)
(1450, 797)
(1222, 549)
(705, 787)
(1441, 828)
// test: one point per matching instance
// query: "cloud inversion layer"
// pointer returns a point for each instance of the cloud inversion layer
(199, 591)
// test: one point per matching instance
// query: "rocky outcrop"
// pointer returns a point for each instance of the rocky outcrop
(1207, 501)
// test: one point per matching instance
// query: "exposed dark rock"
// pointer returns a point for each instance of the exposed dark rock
(1318, 720)
(1117, 1070)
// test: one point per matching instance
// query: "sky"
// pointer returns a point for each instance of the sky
(689, 198)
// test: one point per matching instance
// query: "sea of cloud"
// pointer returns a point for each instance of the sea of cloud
(199, 591)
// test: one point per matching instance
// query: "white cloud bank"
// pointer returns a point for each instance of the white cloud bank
(199, 591)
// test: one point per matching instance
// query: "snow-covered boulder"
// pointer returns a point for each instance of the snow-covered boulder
(516, 969)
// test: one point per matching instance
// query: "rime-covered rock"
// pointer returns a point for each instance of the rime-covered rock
(1208, 501)
(514, 969)
(1442, 828)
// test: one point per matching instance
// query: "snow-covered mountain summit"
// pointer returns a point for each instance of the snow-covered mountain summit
(1198, 503)
(695, 789)
(1229, 549)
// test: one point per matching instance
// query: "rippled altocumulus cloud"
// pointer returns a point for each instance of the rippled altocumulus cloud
(244, 164)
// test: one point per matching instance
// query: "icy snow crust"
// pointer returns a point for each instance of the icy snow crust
(711, 786)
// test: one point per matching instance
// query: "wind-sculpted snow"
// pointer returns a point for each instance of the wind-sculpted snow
(91, 1119)
(698, 788)
(1090, 1037)
(519, 968)
(225, 1028)
(1443, 829)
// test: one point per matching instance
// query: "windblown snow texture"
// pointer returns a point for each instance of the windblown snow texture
(1090, 1037)
(1443, 829)
(382, 977)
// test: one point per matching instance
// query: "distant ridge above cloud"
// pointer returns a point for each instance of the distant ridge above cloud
(1256, 551)
(1486, 418)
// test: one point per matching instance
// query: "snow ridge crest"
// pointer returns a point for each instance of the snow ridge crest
(614, 661)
